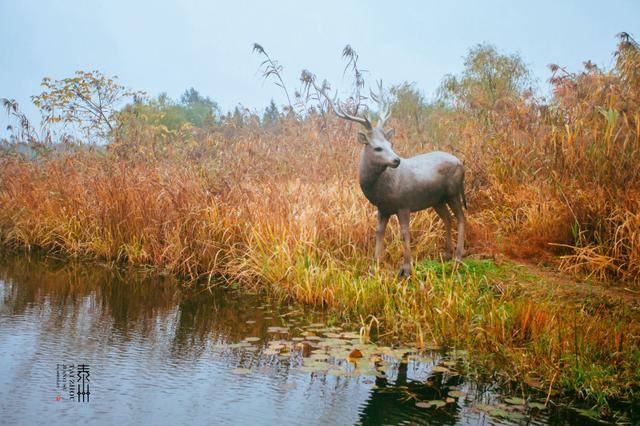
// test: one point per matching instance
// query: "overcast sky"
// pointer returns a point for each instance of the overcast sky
(167, 46)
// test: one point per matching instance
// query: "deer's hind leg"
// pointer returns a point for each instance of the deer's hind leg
(403, 218)
(456, 205)
(443, 213)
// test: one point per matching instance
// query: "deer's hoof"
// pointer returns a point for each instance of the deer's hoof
(446, 255)
(405, 271)
(374, 270)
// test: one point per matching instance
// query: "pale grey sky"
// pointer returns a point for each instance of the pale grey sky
(168, 46)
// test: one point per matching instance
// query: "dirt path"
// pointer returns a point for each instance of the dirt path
(571, 288)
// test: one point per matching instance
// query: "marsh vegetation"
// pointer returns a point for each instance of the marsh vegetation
(268, 202)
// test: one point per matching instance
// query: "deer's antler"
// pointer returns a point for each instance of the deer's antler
(383, 104)
(340, 112)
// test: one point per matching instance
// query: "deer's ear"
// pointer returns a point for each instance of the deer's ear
(390, 134)
(362, 138)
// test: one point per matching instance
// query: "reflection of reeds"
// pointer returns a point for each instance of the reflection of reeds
(125, 302)
(280, 209)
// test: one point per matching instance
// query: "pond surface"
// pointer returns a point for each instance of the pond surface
(157, 355)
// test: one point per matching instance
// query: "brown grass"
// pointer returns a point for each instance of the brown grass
(279, 209)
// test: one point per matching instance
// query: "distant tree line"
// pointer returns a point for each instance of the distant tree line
(92, 107)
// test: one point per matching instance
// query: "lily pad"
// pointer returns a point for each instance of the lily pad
(537, 405)
(399, 353)
(322, 365)
(350, 336)
(356, 353)
(252, 339)
(512, 415)
(428, 404)
(314, 368)
(484, 407)
(514, 401)
(367, 371)
(241, 371)
(498, 412)
(340, 354)
(534, 382)
(332, 342)
(456, 393)
(302, 346)
(239, 345)
(375, 358)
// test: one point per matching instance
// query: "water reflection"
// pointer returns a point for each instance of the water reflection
(163, 356)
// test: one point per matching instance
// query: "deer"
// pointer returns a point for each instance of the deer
(401, 186)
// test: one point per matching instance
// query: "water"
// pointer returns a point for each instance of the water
(158, 355)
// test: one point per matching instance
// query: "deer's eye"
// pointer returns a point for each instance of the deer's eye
(378, 149)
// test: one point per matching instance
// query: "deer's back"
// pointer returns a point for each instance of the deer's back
(420, 182)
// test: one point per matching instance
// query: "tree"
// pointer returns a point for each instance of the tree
(409, 104)
(271, 115)
(89, 101)
(237, 118)
(488, 77)
(192, 109)
(199, 110)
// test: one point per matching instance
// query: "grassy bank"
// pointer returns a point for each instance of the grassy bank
(277, 208)
(312, 243)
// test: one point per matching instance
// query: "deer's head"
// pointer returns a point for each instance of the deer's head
(377, 142)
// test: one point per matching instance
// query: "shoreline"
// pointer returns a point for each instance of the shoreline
(515, 352)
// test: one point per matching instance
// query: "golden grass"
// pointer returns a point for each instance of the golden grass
(309, 238)
(279, 209)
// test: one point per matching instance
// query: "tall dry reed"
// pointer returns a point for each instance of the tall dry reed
(278, 208)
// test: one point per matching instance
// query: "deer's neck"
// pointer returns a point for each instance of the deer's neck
(370, 176)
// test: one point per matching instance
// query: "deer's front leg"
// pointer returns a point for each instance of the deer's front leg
(403, 218)
(383, 220)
